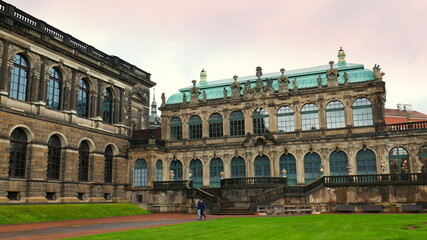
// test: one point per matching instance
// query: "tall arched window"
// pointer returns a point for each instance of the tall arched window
(215, 126)
(84, 161)
(216, 166)
(260, 121)
(309, 117)
(83, 98)
(196, 169)
(422, 157)
(19, 77)
(262, 166)
(195, 127)
(176, 168)
(107, 106)
(312, 164)
(54, 158)
(18, 153)
(338, 163)
(399, 161)
(335, 116)
(176, 129)
(288, 162)
(238, 167)
(159, 170)
(237, 124)
(54, 86)
(362, 112)
(108, 165)
(366, 162)
(141, 173)
(285, 119)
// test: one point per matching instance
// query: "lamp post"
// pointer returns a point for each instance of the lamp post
(284, 172)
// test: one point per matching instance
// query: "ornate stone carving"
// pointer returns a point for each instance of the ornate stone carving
(283, 82)
(319, 81)
(204, 96)
(295, 83)
(235, 88)
(163, 99)
(194, 93)
(345, 78)
(378, 75)
(184, 98)
(418, 166)
(332, 75)
(225, 93)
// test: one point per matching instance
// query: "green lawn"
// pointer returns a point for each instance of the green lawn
(342, 227)
(12, 214)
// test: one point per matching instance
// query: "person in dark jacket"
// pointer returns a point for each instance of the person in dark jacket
(199, 209)
(203, 208)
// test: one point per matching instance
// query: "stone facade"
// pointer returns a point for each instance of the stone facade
(113, 85)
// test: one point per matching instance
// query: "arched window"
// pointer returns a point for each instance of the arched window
(260, 121)
(285, 119)
(335, 116)
(176, 168)
(108, 165)
(176, 129)
(399, 161)
(141, 173)
(237, 124)
(288, 162)
(83, 161)
(238, 167)
(54, 158)
(338, 163)
(422, 157)
(312, 165)
(309, 117)
(83, 98)
(215, 169)
(196, 170)
(18, 153)
(215, 126)
(262, 166)
(107, 106)
(366, 162)
(362, 112)
(54, 86)
(195, 127)
(159, 170)
(19, 77)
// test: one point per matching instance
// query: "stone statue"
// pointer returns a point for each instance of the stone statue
(419, 166)
(345, 78)
(319, 82)
(204, 96)
(184, 98)
(378, 75)
(171, 175)
(349, 169)
(295, 85)
(163, 99)
(383, 166)
(284, 172)
(225, 93)
(283, 82)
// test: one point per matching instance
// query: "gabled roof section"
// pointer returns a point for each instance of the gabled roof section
(306, 78)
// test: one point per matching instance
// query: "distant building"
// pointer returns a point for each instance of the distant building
(403, 114)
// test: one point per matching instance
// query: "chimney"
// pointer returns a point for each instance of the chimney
(400, 107)
(408, 107)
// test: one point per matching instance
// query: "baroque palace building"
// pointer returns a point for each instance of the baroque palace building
(67, 111)
(76, 127)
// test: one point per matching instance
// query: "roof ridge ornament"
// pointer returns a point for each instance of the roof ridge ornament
(341, 57)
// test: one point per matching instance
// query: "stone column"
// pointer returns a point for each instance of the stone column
(348, 111)
(122, 105)
(300, 166)
(227, 166)
(272, 118)
(297, 116)
(352, 160)
(99, 100)
(249, 164)
(325, 161)
(33, 84)
(226, 123)
(93, 104)
(205, 125)
(274, 167)
(42, 82)
(116, 109)
(73, 92)
(185, 128)
(321, 113)
(4, 79)
(206, 172)
(247, 111)
(165, 127)
(413, 158)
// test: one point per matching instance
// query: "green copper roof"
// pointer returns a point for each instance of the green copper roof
(306, 78)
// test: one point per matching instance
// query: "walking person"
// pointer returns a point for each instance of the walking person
(199, 208)
(203, 208)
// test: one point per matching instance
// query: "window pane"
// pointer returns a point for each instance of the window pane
(215, 126)
(260, 121)
(309, 117)
(285, 119)
(362, 112)
(237, 124)
(335, 116)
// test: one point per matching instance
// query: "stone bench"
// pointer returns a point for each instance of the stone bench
(345, 208)
(412, 208)
(372, 208)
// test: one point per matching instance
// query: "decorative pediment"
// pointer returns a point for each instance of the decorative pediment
(259, 140)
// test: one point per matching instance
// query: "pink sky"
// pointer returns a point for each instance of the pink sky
(173, 40)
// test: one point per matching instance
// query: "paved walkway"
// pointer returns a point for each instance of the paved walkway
(76, 228)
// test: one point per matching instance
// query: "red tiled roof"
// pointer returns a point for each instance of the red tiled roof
(401, 113)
